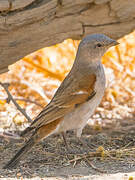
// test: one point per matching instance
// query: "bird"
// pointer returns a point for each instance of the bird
(76, 98)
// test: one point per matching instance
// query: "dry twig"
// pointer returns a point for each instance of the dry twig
(115, 154)
(10, 98)
(25, 100)
(10, 136)
(94, 167)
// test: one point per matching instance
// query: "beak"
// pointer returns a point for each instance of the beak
(113, 43)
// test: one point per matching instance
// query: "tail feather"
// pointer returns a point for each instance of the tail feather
(38, 134)
(13, 162)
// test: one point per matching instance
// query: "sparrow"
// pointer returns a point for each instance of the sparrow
(75, 100)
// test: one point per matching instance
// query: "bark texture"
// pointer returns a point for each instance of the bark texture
(28, 25)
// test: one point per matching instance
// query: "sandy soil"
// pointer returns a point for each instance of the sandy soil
(110, 150)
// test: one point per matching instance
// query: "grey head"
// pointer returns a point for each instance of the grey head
(93, 47)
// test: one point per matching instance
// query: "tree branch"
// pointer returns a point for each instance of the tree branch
(25, 100)
(10, 98)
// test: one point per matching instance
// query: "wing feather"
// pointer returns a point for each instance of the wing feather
(65, 99)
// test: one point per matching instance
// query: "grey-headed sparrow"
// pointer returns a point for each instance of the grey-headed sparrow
(76, 98)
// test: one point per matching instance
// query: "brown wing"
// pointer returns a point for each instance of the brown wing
(67, 96)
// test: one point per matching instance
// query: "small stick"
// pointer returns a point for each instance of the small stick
(8, 135)
(94, 167)
(10, 98)
(25, 100)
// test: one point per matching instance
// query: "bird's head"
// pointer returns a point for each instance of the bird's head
(94, 46)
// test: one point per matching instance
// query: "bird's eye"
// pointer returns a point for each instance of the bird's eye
(98, 45)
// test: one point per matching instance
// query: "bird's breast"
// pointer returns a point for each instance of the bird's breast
(78, 117)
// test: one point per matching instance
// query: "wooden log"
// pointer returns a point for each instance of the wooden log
(28, 25)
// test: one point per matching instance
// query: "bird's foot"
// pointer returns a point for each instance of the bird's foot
(67, 146)
(84, 143)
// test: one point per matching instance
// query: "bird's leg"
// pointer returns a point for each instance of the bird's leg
(78, 133)
(83, 142)
(65, 141)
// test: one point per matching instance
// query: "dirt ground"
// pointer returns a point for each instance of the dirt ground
(108, 151)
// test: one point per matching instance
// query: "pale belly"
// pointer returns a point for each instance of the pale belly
(77, 119)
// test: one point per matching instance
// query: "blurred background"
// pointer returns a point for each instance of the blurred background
(34, 80)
